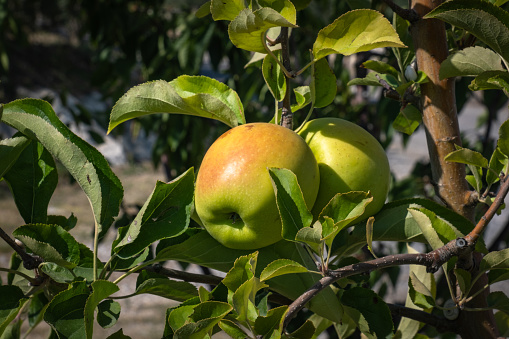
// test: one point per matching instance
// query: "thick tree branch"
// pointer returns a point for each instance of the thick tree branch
(440, 323)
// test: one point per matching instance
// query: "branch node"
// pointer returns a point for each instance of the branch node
(461, 243)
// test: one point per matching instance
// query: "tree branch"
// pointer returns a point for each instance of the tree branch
(440, 323)
(287, 115)
(407, 14)
(30, 262)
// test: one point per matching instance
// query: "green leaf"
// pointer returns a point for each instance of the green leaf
(356, 31)
(486, 21)
(283, 7)
(343, 209)
(323, 83)
(503, 138)
(408, 119)
(266, 325)
(470, 61)
(166, 288)
(202, 249)
(491, 80)
(192, 95)
(226, 9)
(12, 300)
(165, 214)
(495, 260)
(372, 80)
(311, 236)
(302, 96)
(101, 289)
(280, 267)
(108, 312)
(464, 280)
(274, 76)
(232, 329)
(32, 180)
(10, 150)
(306, 331)
(57, 273)
(290, 202)
(419, 293)
(499, 301)
(380, 67)
(50, 242)
(243, 269)
(373, 309)
(468, 157)
(66, 311)
(369, 235)
(36, 119)
(204, 10)
(301, 4)
(247, 30)
(243, 299)
(204, 317)
(498, 164)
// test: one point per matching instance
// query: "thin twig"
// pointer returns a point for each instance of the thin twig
(29, 262)
(440, 323)
(407, 14)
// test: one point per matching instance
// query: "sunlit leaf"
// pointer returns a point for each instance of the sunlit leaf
(266, 325)
(323, 83)
(280, 267)
(192, 95)
(356, 31)
(408, 119)
(226, 9)
(491, 80)
(101, 289)
(468, 157)
(274, 76)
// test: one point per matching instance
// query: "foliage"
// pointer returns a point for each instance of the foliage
(318, 262)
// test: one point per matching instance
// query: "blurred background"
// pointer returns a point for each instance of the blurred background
(82, 55)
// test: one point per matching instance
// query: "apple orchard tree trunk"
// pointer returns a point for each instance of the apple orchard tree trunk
(442, 133)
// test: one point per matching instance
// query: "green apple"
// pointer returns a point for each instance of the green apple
(234, 197)
(349, 159)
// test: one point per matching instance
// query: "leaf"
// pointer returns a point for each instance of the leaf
(243, 269)
(372, 80)
(247, 30)
(204, 10)
(101, 289)
(10, 150)
(464, 280)
(499, 301)
(36, 119)
(192, 95)
(311, 236)
(65, 312)
(274, 76)
(498, 164)
(419, 293)
(369, 235)
(166, 288)
(280, 267)
(50, 242)
(284, 7)
(468, 157)
(302, 96)
(202, 249)
(356, 31)
(226, 9)
(470, 61)
(323, 83)
(32, 180)
(380, 67)
(495, 260)
(165, 214)
(491, 80)
(232, 329)
(290, 202)
(503, 138)
(373, 309)
(266, 325)
(108, 312)
(408, 119)
(12, 300)
(204, 317)
(486, 21)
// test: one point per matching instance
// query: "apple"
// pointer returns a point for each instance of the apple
(234, 197)
(349, 159)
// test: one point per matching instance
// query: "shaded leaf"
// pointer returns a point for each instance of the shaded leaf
(10, 150)
(290, 202)
(101, 289)
(495, 260)
(192, 95)
(166, 288)
(36, 119)
(356, 31)
(486, 21)
(323, 83)
(408, 119)
(419, 293)
(108, 312)
(498, 164)
(165, 214)
(12, 300)
(274, 76)
(372, 80)
(498, 300)
(273, 322)
(380, 67)
(50, 242)
(369, 235)
(230, 328)
(491, 80)
(470, 61)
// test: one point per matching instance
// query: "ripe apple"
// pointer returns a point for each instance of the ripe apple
(234, 197)
(349, 159)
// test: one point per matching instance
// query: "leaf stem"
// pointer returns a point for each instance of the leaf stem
(21, 274)
(96, 243)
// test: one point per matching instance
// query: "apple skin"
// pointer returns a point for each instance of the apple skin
(234, 197)
(349, 159)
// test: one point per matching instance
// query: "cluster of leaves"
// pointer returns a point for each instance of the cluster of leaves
(71, 284)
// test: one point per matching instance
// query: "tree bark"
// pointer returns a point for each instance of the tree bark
(442, 132)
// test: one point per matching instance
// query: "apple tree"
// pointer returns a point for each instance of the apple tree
(319, 276)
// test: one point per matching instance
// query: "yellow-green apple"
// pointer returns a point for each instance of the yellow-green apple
(349, 159)
(234, 197)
